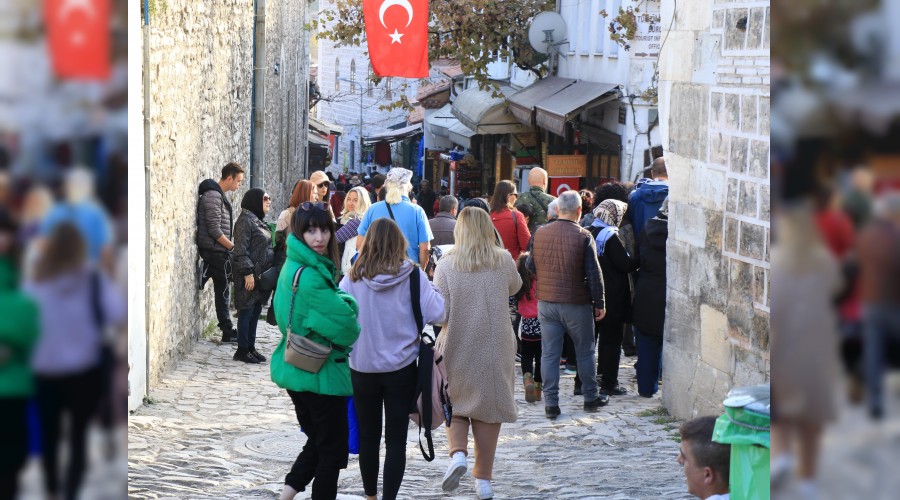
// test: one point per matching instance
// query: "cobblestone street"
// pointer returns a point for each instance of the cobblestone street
(217, 428)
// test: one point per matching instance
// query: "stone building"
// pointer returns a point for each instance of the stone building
(714, 108)
(200, 60)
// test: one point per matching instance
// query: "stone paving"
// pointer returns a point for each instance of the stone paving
(217, 428)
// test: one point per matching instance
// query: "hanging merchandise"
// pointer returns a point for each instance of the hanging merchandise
(468, 176)
(383, 153)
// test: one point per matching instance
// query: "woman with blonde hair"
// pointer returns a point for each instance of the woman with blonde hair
(410, 217)
(356, 204)
(383, 365)
(479, 350)
(303, 191)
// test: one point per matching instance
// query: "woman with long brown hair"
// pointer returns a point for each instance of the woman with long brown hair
(303, 191)
(383, 365)
(509, 222)
(77, 301)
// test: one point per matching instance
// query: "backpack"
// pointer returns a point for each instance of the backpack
(432, 397)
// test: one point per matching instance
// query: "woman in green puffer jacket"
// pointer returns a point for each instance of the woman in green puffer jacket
(19, 332)
(322, 313)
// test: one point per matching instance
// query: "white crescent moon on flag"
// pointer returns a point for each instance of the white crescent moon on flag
(390, 3)
(562, 189)
(69, 6)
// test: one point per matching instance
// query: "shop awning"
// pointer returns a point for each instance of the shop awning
(393, 135)
(317, 141)
(325, 128)
(440, 121)
(461, 134)
(522, 103)
(485, 114)
(553, 113)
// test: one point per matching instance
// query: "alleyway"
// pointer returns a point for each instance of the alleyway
(217, 428)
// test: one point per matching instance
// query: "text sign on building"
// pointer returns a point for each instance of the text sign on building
(647, 37)
(567, 165)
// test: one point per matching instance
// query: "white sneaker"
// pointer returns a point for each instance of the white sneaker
(483, 489)
(455, 471)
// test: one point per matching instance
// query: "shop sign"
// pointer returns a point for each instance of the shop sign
(567, 165)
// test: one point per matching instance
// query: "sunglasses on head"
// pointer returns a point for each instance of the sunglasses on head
(267, 198)
(323, 184)
(306, 206)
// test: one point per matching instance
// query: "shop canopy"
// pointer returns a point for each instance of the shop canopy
(393, 135)
(480, 111)
(440, 121)
(325, 128)
(522, 103)
(461, 134)
(317, 141)
(553, 112)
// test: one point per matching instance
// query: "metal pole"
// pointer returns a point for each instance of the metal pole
(147, 158)
(359, 167)
(258, 125)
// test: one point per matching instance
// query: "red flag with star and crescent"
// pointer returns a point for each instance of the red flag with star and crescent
(397, 34)
(78, 38)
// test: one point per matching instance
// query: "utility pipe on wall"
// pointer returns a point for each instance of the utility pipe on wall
(258, 97)
(147, 158)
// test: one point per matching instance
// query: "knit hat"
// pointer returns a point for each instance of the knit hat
(399, 176)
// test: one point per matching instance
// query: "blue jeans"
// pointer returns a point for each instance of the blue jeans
(578, 321)
(881, 326)
(649, 363)
(246, 325)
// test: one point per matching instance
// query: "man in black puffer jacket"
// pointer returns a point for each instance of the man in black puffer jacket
(214, 242)
(649, 311)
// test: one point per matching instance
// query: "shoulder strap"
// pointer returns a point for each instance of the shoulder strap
(295, 284)
(388, 205)
(515, 223)
(539, 202)
(96, 307)
(415, 291)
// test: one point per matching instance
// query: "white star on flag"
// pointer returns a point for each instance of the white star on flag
(395, 37)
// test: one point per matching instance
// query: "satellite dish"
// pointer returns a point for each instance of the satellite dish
(548, 29)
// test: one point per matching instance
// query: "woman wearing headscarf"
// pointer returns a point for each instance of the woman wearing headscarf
(253, 255)
(616, 264)
(303, 191)
(478, 349)
(355, 206)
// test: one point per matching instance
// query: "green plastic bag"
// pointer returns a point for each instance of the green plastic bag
(748, 434)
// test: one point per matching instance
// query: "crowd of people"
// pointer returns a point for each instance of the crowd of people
(62, 342)
(552, 280)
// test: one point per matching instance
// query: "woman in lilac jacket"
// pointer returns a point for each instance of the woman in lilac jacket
(383, 360)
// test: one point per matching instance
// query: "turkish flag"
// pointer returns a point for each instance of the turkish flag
(559, 185)
(78, 38)
(397, 34)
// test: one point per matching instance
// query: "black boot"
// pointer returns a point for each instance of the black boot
(243, 354)
(253, 352)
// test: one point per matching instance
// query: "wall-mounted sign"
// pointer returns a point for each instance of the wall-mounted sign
(567, 165)
(646, 41)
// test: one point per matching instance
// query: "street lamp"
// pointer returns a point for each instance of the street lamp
(359, 161)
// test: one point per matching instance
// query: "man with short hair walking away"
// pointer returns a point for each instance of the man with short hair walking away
(570, 299)
(645, 201)
(214, 226)
(444, 222)
(537, 197)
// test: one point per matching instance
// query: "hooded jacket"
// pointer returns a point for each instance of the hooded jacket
(214, 216)
(650, 291)
(253, 252)
(19, 332)
(321, 312)
(389, 342)
(645, 201)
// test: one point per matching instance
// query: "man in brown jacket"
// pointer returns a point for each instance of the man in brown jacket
(570, 298)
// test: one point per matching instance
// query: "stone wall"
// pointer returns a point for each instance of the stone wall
(714, 105)
(201, 62)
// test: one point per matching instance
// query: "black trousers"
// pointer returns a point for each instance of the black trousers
(219, 271)
(531, 354)
(324, 421)
(14, 436)
(610, 352)
(394, 392)
(76, 395)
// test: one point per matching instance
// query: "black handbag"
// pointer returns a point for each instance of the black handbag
(268, 279)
